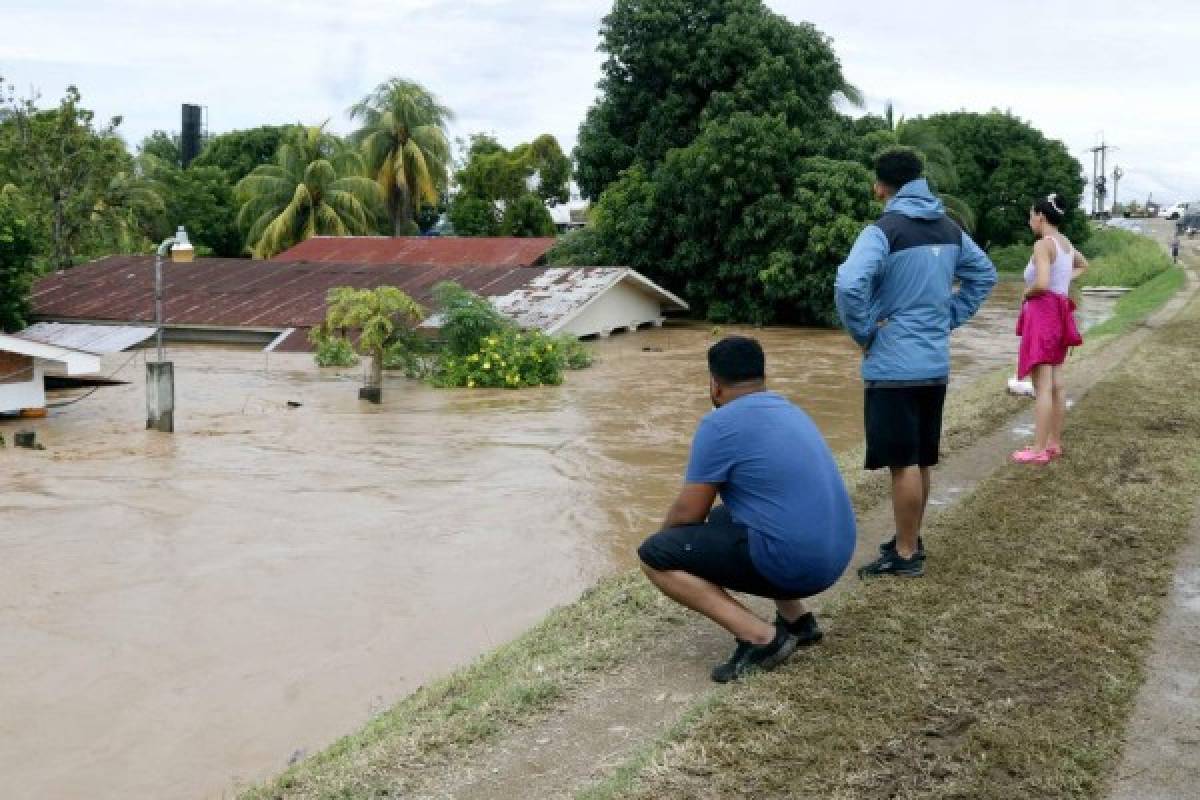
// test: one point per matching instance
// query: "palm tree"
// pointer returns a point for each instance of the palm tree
(129, 211)
(407, 151)
(316, 187)
(939, 165)
(382, 316)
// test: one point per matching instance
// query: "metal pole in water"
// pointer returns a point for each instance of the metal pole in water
(158, 292)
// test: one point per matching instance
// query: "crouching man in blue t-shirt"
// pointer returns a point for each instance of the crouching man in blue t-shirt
(786, 530)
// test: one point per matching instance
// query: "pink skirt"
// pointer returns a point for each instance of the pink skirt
(1048, 330)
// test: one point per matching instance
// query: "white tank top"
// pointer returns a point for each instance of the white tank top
(1061, 268)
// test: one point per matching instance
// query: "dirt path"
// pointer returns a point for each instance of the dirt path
(1162, 749)
(608, 721)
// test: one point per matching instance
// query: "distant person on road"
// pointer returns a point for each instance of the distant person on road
(1047, 327)
(1175, 249)
(895, 294)
(786, 530)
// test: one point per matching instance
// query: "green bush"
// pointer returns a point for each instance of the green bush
(510, 359)
(1011, 258)
(467, 319)
(333, 351)
(1121, 258)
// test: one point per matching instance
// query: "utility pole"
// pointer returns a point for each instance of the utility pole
(1118, 173)
(1099, 181)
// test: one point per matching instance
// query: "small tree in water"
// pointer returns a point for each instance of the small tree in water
(385, 318)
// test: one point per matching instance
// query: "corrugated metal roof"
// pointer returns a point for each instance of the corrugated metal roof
(432, 251)
(273, 295)
(98, 339)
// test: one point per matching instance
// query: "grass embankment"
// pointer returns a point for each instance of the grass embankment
(1117, 258)
(1010, 669)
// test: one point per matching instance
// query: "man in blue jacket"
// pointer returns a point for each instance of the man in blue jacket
(895, 294)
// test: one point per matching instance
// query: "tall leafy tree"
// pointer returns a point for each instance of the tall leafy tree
(403, 138)
(238, 153)
(16, 265)
(317, 186)
(1003, 164)
(722, 166)
(503, 192)
(672, 66)
(743, 222)
(880, 133)
(76, 178)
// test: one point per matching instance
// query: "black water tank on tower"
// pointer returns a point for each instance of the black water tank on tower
(189, 145)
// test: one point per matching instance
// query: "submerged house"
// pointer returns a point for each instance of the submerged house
(23, 367)
(274, 304)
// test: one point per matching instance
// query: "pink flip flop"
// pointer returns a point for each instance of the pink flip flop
(1055, 450)
(1031, 456)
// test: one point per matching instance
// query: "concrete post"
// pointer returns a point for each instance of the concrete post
(160, 396)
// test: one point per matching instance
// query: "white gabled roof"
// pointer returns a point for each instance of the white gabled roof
(76, 361)
(558, 295)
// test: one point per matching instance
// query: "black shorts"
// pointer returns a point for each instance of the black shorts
(717, 551)
(904, 425)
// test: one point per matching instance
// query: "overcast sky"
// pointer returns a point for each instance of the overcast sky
(519, 68)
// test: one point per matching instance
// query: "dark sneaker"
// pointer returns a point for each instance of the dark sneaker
(724, 673)
(766, 657)
(890, 547)
(891, 563)
(806, 630)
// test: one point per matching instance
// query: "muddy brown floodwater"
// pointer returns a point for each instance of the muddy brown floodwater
(181, 615)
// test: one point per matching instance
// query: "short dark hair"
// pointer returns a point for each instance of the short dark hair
(737, 359)
(898, 166)
(1052, 208)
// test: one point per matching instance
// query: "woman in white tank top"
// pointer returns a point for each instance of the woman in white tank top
(1047, 326)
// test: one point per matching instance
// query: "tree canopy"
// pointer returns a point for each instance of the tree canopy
(504, 193)
(1003, 164)
(16, 266)
(675, 65)
(238, 153)
(75, 181)
(722, 168)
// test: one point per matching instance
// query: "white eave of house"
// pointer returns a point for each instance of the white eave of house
(77, 362)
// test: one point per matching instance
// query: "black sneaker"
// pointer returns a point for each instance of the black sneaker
(766, 657)
(890, 547)
(724, 673)
(805, 629)
(891, 563)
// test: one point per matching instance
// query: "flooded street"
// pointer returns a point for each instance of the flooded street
(181, 615)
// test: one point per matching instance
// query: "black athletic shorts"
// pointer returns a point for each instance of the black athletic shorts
(904, 425)
(717, 551)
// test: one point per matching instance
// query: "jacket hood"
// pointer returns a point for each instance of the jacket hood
(916, 201)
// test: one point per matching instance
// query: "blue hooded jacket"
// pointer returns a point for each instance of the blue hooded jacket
(895, 291)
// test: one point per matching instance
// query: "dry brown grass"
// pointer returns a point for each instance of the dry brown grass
(1010, 669)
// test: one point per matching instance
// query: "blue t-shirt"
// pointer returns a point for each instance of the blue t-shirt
(779, 480)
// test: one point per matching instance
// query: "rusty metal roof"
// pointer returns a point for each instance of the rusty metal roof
(228, 292)
(428, 251)
(274, 295)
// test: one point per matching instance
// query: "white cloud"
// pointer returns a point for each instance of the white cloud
(524, 68)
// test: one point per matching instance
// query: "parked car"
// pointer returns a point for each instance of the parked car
(1179, 210)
